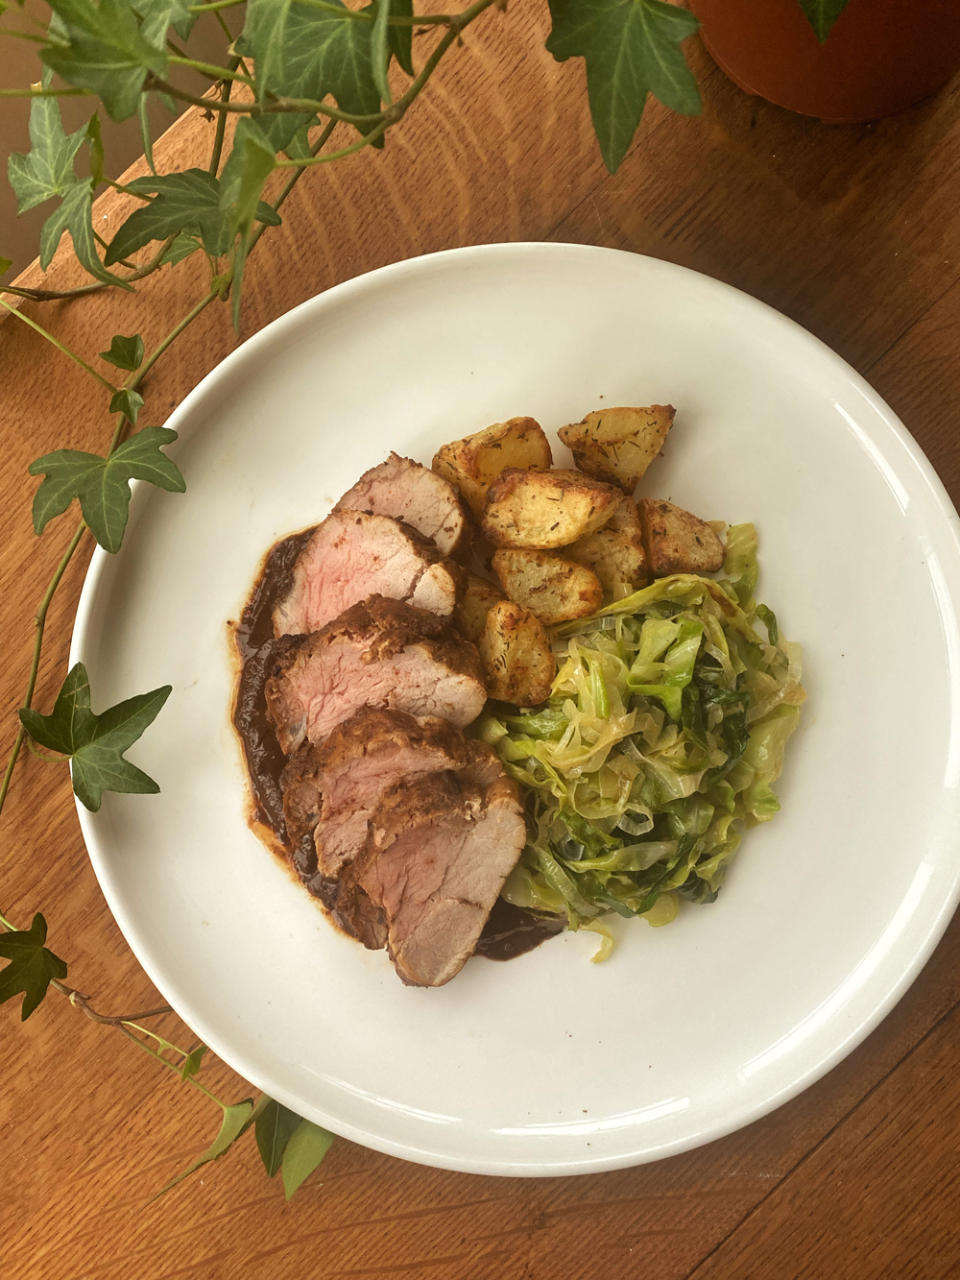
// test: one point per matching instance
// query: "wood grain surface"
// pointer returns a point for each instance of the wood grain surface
(851, 231)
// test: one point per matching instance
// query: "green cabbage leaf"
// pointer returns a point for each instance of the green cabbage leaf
(659, 746)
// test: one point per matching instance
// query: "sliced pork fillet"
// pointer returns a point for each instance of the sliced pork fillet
(416, 495)
(379, 653)
(353, 555)
(331, 790)
(439, 850)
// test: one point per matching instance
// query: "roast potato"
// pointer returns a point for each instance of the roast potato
(618, 445)
(472, 464)
(616, 555)
(546, 509)
(678, 541)
(553, 588)
(476, 599)
(626, 518)
(518, 663)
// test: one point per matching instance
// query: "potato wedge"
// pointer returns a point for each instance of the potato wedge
(473, 463)
(476, 600)
(678, 541)
(626, 518)
(618, 445)
(546, 509)
(618, 559)
(552, 588)
(518, 663)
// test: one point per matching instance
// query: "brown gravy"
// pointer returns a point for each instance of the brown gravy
(510, 931)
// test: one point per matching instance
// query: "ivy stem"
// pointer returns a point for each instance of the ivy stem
(222, 24)
(133, 1023)
(131, 266)
(32, 36)
(135, 379)
(216, 6)
(172, 1066)
(46, 92)
(52, 295)
(41, 621)
(254, 108)
(72, 355)
(310, 161)
(399, 20)
(212, 72)
(217, 152)
(82, 1003)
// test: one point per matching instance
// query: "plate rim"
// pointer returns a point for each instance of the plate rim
(221, 373)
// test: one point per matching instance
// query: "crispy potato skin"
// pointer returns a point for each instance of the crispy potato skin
(617, 445)
(476, 599)
(546, 509)
(518, 663)
(553, 588)
(678, 541)
(473, 463)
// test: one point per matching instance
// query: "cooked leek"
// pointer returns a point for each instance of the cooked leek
(660, 743)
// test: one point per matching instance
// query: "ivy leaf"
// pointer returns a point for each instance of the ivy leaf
(180, 247)
(32, 966)
(183, 203)
(75, 215)
(401, 38)
(158, 15)
(46, 172)
(300, 51)
(124, 353)
(5, 265)
(822, 14)
(47, 169)
(102, 485)
(304, 1151)
(275, 1127)
(250, 163)
(108, 51)
(145, 136)
(95, 743)
(191, 1063)
(233, 1125)
(95, 138)
(631, 48)
(127, 402)
(281, 128)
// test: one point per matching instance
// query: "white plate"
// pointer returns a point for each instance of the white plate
(548, 1064)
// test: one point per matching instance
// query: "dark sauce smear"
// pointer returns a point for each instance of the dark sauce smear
(257, 648)
(510, 931)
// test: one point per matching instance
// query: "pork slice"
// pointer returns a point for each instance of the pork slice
(331, 789)
(416, 495)
(353, 555)
(379, 653)
(439, 850)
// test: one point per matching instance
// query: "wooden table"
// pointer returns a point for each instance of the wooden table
(854, 233)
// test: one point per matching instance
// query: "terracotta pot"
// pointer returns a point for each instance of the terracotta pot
(881, 55)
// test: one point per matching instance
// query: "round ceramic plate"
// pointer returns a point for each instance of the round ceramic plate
(548, 1063)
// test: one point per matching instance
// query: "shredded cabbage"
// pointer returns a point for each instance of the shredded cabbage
(660, 743)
